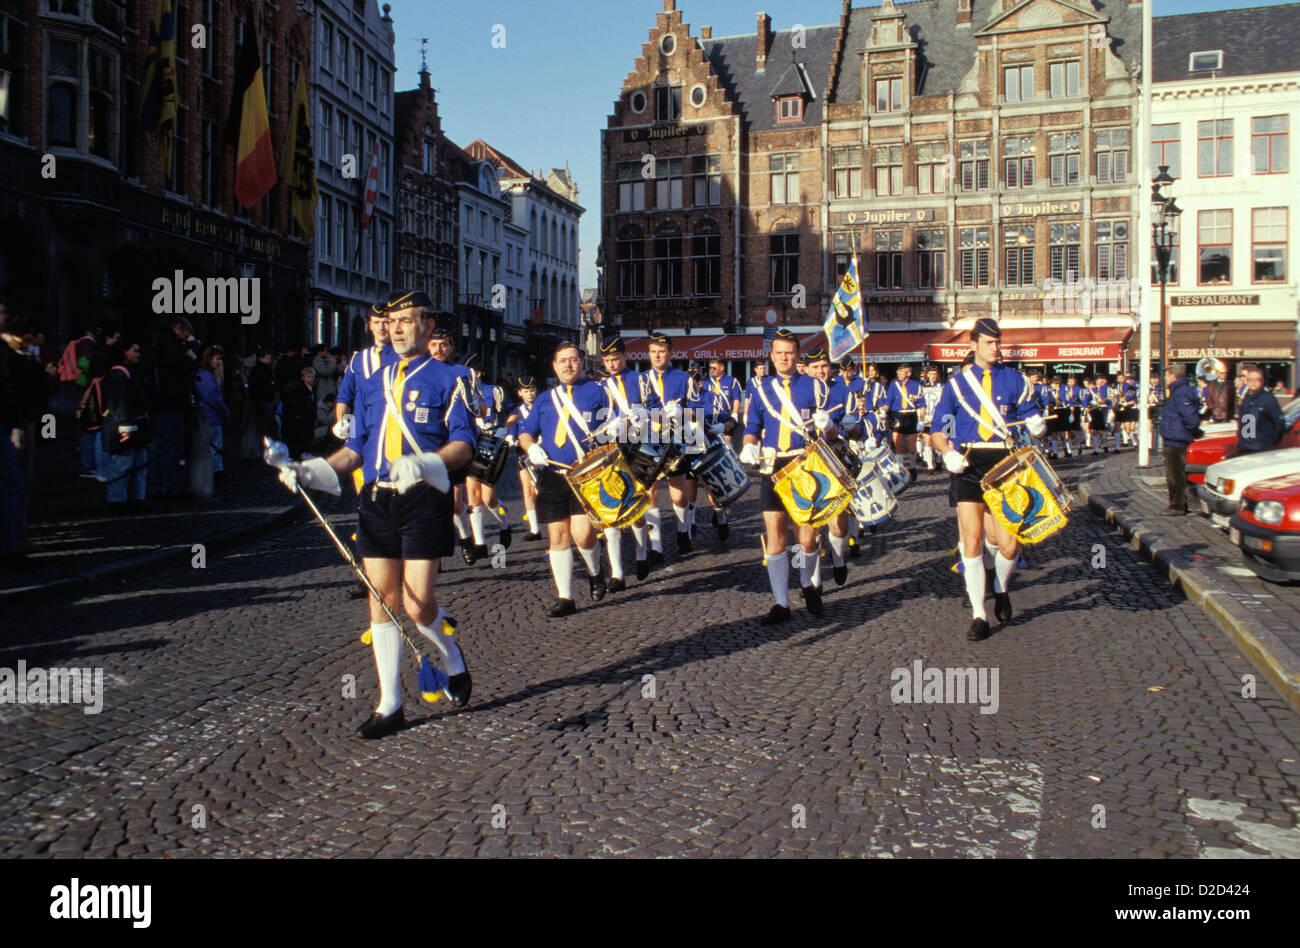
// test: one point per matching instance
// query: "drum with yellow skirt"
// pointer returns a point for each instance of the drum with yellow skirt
(606, 488)
(814, 488)
(1026, 497)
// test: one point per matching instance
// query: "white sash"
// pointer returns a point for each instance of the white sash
(394, 412)
(619, 396)
(561, 398)
(788, 414)
(986, 402)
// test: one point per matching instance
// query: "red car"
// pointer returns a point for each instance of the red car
(1201, 454)
(1267, 528)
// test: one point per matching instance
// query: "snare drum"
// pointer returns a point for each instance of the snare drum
(891, 470)
(489, 458)
(606, 488)
(678, 461)
(852, 463)
(1024, 495)
(814, 488)
(721, 473)
(872, 502)
(646, 460)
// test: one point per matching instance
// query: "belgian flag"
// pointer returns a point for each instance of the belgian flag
(249, 127)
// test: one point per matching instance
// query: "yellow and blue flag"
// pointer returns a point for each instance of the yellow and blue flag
(158, 91)
(846, 325)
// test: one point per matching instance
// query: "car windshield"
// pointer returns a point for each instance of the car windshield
(1291, 412)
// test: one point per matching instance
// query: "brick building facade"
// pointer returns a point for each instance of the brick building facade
(970, 152)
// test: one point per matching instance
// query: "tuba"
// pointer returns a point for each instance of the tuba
(1211, 369)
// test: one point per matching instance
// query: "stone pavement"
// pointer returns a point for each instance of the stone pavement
(662, 721)
(1261, 618)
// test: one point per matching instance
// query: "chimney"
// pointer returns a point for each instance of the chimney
(670, 6)
(963, 12)
(706, 32)
(764, 41)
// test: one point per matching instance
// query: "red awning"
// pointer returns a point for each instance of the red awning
(1041, 345)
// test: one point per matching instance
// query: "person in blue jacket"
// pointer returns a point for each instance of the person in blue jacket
(1180, 425)
(209, 393)
(1260, 424)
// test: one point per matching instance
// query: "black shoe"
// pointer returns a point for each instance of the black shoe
(724, 529)
(978, 631)
(532, 536)
(855, 551)
(683, 543)
(480, 551)
(1002, 607)
(615, 585)
(506, 537)
(562, 607)
(468, 552)
(812, 598)
(656, 558)
(642, 570)
(458, 689)
(872, 529)
(841, 574)
(378, 726)
(359, 592)
(598, 586)
(777, 614)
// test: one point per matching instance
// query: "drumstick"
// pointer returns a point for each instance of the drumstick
(762, 540)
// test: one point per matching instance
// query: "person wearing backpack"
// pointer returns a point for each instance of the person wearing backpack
(127, 429)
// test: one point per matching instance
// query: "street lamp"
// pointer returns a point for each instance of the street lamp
(1163, 233)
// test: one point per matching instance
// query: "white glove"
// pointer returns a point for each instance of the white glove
(673, 411)
(312, 474)
(872, 443)
(821, 419)
(849, 421)
(342, 428)
(749, 454)
(717, 429)
(537, 455)
(411, 469)
(955, 462)
(1037, 427)
(639, 415)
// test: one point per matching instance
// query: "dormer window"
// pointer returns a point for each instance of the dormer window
(1205, 61)
(789, 108)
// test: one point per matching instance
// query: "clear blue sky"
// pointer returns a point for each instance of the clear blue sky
(544, 97)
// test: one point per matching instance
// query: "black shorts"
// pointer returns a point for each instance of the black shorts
(965, 487)
(905, 423)
(1060, 422)
(767, 496)
(1097, 418)
(556, 500)
(411, 526)
(1126, 415)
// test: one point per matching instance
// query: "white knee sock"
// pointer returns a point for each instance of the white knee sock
(810, 573)
(653, 520)
(386, 643)
(973, 573)
(562, 570)
(838, 546)
(778, 575)
(532, 521)
(680, 514)
(1004, 568)
(462, 525)
(476, 524)
(500, 516)
(614, 546)
(638, 534)
(990, 551)
(591, 558)
(721, 514)
(453, 663)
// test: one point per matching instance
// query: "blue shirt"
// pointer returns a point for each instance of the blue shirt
(904, 396)
(1011, 396)
(630, 386)
(856, 388)
(763, 420)
(432, 405)
(875, 393)
(718, 396)
(498, 403)
(590, 400)
(363, 364)
(524, 411)
(671, 385)
(837, 400)
(1128, 393)
(1071, 395)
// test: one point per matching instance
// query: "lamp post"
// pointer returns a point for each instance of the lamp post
(1163, 233)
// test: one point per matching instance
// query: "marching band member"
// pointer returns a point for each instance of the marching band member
(1101, 411)
(1126, 413)
(855, 384)
(783, 405)
(676, 393)
(874, 389)
(481, 497)
(625, 391)
(1060, 423)
(837, 398)
(1072, 401)
(982, 400)
(527, 396)
(362, 364)
(558, 433)
(442, 348)
(931, 388)
(903, 403)
(411, 428)
(721, 402)
(760, 370)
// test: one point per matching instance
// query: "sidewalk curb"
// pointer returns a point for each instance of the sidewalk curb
(77, 585)
(1270, 656)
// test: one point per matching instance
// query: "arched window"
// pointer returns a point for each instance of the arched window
(61, 127)
(629, 252)
(706, 254)
(668, 261)
(557, 304)
(555, 247)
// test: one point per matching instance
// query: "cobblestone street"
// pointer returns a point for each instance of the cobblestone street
(663, 721)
